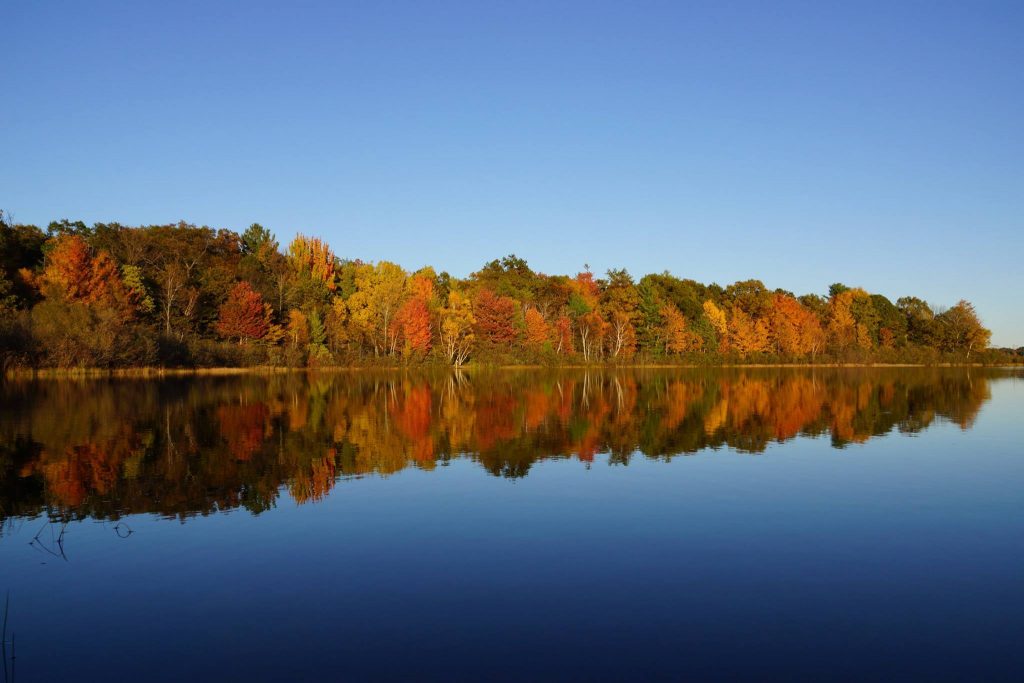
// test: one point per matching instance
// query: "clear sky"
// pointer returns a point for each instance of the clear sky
(801, 143)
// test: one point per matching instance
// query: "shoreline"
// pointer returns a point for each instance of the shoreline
(160, 373)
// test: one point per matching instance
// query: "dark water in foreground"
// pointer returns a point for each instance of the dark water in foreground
(759, 524)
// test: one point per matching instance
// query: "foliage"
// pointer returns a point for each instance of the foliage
(414, 321)
(538, 332)
(373, 308)
(457, 323)
(180, 294)
(244, 315)
(109, 449)
(495, 317)
(678, 338)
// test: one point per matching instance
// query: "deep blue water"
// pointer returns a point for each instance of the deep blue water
(897, 554)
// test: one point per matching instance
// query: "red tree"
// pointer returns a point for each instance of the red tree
(414, 319)
(74, 272)
(69, 268)
(243, 314)
(563, 335)
(495, 317)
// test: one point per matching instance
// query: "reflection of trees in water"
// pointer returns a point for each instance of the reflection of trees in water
(183, 447)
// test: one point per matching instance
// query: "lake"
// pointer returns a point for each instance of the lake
(840, 524)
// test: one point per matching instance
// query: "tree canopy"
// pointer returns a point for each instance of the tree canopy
(180, 294)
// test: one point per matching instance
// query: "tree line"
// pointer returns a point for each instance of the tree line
(110, 295)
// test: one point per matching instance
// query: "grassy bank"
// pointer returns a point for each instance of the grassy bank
(158, 373)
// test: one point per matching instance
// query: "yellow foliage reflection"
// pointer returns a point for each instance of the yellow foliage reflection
(194, 446)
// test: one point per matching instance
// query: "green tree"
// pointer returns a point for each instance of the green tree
(920, 321)
(256, 240)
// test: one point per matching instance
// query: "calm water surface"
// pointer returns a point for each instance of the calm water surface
(757, 524)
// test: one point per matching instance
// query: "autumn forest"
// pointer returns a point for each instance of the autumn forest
(112, 296)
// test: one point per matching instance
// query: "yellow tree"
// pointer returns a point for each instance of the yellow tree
(961, 329)
(794, 329)
(812, 334)
(310, 256)
(457, 323)
(746, 334)
(298, 328)
(373, 308)
(275, 333)
(716, 316)
(844, 330)
(421, 286)
(337, 323)
(784, 319)
(678, 337)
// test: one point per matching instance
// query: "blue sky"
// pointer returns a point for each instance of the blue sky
(801, 143)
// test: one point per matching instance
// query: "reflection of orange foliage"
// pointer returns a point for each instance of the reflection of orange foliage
(594, 409)
(65, 483)
(298, 413)
(677, 404)
(715, 417)
(538, 405)
(849, 402)
(843, 412)
(887, 395)
(495, 419)
(623, 420)
(106, 451)
(313, 485)
(83, 469)
(794, 405)
(413, 415)
(565, 394)
(748, 399)
(413, 418)
(458, 418)
(243, 427)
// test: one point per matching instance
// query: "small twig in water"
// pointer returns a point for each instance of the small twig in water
(57, 543)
